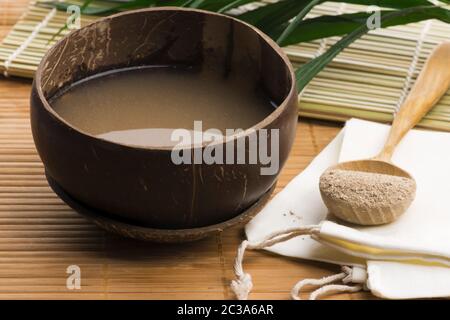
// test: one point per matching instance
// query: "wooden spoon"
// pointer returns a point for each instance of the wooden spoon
(432, 83)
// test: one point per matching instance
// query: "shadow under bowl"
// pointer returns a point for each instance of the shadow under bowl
(107, 176)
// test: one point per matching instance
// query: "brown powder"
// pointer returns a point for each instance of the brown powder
(366, 189)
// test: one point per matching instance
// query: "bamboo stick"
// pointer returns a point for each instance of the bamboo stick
(366, 79)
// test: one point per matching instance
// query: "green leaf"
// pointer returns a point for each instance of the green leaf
(309, 70)
(212, 5)
(274, 14)
(101, 8)
(294, 24)
(197, 3)
(113, 6)
(234, 4)
(275, 19)
(288, 7)
(394, 4)
(327, 26)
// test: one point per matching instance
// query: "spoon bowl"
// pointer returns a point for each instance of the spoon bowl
(374, 191)
(369, 212)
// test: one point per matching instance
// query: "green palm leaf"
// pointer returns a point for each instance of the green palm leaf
(297, 20)
(285, 21)
(328, 26)
(308, 71)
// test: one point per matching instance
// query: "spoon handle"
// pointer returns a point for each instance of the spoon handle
(432, 83)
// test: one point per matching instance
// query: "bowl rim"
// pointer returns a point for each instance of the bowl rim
(259, 125)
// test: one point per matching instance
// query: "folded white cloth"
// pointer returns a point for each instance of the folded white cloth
(409, 258)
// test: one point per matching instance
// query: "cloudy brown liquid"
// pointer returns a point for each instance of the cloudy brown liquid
(127, 105)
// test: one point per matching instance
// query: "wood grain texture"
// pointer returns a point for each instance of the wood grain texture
(431, 84)
(40, 236)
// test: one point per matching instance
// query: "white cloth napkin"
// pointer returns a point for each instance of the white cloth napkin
(409, 258)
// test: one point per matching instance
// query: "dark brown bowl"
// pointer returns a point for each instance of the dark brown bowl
(142, 184)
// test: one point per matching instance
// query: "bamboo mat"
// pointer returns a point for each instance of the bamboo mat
(368, 80)
(40, 236)
(372, 77)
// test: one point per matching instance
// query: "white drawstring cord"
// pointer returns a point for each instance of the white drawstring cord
(333, 288)
(325, 284)
(242, 285)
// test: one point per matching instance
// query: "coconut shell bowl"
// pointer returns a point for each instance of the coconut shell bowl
(139, 192)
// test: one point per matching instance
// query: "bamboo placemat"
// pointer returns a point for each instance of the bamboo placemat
(368, 80)
(40, 236)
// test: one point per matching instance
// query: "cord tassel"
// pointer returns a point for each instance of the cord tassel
(243, 284)
(347, 276)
